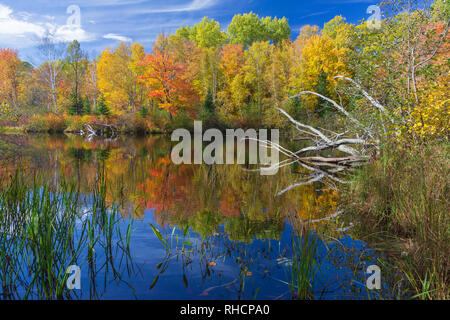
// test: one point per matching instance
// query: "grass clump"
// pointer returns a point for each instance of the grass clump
(405, 195)
(44, 229)
(49, 123)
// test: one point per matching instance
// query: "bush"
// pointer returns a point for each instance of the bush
(36, 124)
(134, 124)
(50, 122)
(180, 121)
(55, 123)
(74, 123)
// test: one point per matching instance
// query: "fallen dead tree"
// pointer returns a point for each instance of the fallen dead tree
(356, 144)
(100, 130)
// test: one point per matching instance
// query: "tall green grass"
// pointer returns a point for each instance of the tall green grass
(405, 195)
(42, 233)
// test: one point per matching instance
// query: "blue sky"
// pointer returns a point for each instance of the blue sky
(105, 22)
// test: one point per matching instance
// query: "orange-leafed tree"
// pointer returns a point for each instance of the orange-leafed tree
(232, 60)
(10, 69)
(167, 80)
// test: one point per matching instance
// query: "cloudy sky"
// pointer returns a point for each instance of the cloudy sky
(105, 22)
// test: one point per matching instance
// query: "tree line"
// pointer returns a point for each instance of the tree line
(239, 77)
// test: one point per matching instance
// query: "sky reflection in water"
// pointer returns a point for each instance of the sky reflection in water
(239, 244)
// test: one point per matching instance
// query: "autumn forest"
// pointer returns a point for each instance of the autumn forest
(237, 77)
(364, 119)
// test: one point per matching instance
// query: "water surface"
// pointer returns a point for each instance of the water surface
(230, 236)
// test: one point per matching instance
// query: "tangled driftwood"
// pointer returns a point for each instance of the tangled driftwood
(100, 130)
(355, 143)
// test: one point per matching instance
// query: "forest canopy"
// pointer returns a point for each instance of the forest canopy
(241, 75)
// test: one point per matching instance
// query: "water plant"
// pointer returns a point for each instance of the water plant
(44, 228)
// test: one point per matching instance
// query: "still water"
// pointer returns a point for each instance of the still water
(225, 234)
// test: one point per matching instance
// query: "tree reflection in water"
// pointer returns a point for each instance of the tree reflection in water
(228, 233)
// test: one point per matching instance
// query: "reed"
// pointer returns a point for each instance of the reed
(404, 194)
(42, 233)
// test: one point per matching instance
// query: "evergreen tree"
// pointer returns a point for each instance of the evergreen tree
(143, 111)
(207, 110)
(87, 106)
(208, 105)
(103, 109)
(76, 105)
(322, 88)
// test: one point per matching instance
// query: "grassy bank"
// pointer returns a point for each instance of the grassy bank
(404, 197)
(59, 123)
(12, 130)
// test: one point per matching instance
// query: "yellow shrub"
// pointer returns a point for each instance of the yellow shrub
(433, 117)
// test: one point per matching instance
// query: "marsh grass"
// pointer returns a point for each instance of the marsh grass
(404, 195)
(45, 228)
(304, 264)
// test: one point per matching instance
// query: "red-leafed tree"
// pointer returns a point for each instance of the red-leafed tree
(166, 80)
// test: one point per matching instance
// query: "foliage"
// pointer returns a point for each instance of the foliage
(405, 194)
(143, 111)
(118, 72)
(249, 70)
(10, 78)
(76, 105)
(50, 122)
(249, 28)
(87, 109)
(166, 80)
(102, 107)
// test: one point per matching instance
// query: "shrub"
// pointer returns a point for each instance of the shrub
(55, 123)
(133, 123)
(74, 123)
(50, 122)
(36, 124)
(180, 121)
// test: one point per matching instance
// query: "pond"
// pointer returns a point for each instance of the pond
(191, 231)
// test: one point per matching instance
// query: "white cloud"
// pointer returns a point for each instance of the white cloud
(18, 31)
(69, 33)
(10, 26)
(117, 37)
(192, 6)
(4, 12)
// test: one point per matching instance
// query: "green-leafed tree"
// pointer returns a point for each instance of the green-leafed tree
(77, 65)
(249, 28)
(87, 108)
(103, 109)
(207, 34)
(322, 88)
(76, 105)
